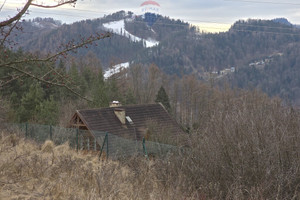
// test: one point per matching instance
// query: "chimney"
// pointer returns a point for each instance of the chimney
(120, 113)
(115, 104)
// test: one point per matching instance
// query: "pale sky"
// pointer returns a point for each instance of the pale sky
(209, 15)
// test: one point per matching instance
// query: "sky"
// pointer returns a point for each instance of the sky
(209, 15)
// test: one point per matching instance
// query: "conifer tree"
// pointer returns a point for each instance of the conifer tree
(99, 92)
(30, 103)
(36, 108)
(163, 98)
(48, 112)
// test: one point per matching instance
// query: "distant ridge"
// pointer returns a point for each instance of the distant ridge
(282, 21)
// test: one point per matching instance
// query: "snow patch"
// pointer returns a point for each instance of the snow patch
(43, 25)
(38, 25)
(115, 69)
(118, 27)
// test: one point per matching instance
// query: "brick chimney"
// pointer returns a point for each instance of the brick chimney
(120, 113)
(115, 104)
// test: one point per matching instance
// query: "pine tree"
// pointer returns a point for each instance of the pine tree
(113, 92)
(48, 112)
(163, 98)
(99, 92)
(77, 80)
(30, 103)
(36, 108)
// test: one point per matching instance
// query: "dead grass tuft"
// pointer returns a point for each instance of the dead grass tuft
(48, 146)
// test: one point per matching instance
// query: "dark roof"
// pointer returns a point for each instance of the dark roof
(105, 120)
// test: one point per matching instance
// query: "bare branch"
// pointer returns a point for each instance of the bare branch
(26, 7)
(55, 6)
(17, 16)
(58, 74)
(2, 84)
(47, 73)
(2, 5)
(9, 32)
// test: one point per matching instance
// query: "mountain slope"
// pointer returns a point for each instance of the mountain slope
(245, 41)
(178, 48)
(114, 50)
(118, 27)
(277, 76)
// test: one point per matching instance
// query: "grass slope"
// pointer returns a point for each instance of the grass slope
(31, 171)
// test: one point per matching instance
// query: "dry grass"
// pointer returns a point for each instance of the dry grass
(31, 171)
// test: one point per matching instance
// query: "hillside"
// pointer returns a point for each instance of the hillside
(44, 39)
(195, 52)
(245, 146)
(178, 48)
(276, 76)
(276, 73)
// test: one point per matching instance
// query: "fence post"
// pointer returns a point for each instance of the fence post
(88, 143)
(26, 129)
(95, 144)
(77, 143)
(106, 145)
(81, 142)
(51, 132)
(105, 140)
(144, 148)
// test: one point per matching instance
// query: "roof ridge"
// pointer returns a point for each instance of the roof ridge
(125, 106)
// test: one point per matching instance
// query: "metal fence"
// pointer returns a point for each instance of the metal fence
(107, 144)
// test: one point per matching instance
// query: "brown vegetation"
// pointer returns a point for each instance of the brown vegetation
(30, 171)
(245, 147)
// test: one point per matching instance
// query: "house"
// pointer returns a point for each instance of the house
(133, 122)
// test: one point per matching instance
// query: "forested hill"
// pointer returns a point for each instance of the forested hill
(45, 39)
(182, 48)
(277, 75)
(47, 35)
(275, 68)
(245, 41)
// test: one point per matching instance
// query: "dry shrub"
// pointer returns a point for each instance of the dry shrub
(247, 148)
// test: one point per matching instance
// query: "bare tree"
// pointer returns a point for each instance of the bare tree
(18, 68)
(29, 3)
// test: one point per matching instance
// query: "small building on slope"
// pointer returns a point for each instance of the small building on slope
(126, 123)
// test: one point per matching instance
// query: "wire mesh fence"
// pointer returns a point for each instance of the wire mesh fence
(107, 144)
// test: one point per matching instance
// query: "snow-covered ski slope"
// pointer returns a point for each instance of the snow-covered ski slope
(115, 69)
(118, 27)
